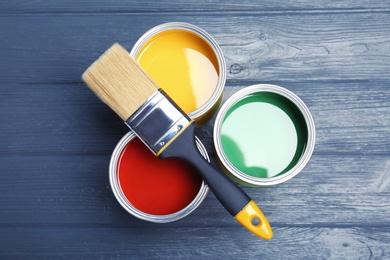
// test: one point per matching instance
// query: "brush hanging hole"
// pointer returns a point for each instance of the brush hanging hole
(255, 221)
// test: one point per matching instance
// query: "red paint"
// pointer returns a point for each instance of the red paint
(155, 186)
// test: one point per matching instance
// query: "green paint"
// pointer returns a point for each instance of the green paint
(264, 134)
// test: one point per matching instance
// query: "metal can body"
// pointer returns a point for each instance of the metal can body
(187, 63)
(118, 187)
(263, 135)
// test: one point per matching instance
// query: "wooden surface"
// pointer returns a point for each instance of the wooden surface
(56, 137)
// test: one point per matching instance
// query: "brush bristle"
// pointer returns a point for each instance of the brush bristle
(119, 81)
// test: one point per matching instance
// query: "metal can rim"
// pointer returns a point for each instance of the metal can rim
(126, 204)
(239, 95)
(213, 44)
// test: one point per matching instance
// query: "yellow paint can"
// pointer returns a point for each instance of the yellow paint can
(187, 63)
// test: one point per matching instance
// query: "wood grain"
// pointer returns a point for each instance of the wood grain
(306, 47)
(332, 190)
(56, 137)
(351, 118)
(189, 6)
(189, 243)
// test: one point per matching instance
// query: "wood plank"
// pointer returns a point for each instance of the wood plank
(351, 118)
(56, 137)
(332, 191)
(45, 6)
(56, 119)
(193, 243)
(287, 47)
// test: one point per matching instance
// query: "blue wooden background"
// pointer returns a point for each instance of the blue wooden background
(56, 137)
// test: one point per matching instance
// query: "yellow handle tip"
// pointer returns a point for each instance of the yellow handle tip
(253, 219)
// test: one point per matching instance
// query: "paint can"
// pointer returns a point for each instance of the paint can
(263, 135)
(187, 63)
(151, 189)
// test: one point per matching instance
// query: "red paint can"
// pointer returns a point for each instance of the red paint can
(152, 189)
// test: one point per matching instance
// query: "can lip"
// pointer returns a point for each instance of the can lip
(126, 204)
(239, 95)
(213, 44)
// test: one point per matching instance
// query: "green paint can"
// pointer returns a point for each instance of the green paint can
(263, 135)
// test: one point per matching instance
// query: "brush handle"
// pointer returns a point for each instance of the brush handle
(232, 197)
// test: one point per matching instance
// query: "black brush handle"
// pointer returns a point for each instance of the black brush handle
(231, 196)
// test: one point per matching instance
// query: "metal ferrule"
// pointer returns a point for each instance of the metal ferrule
(157, 121)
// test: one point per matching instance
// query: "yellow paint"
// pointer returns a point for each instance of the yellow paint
(183, 65)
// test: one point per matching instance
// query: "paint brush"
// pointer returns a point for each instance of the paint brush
(165, 129)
